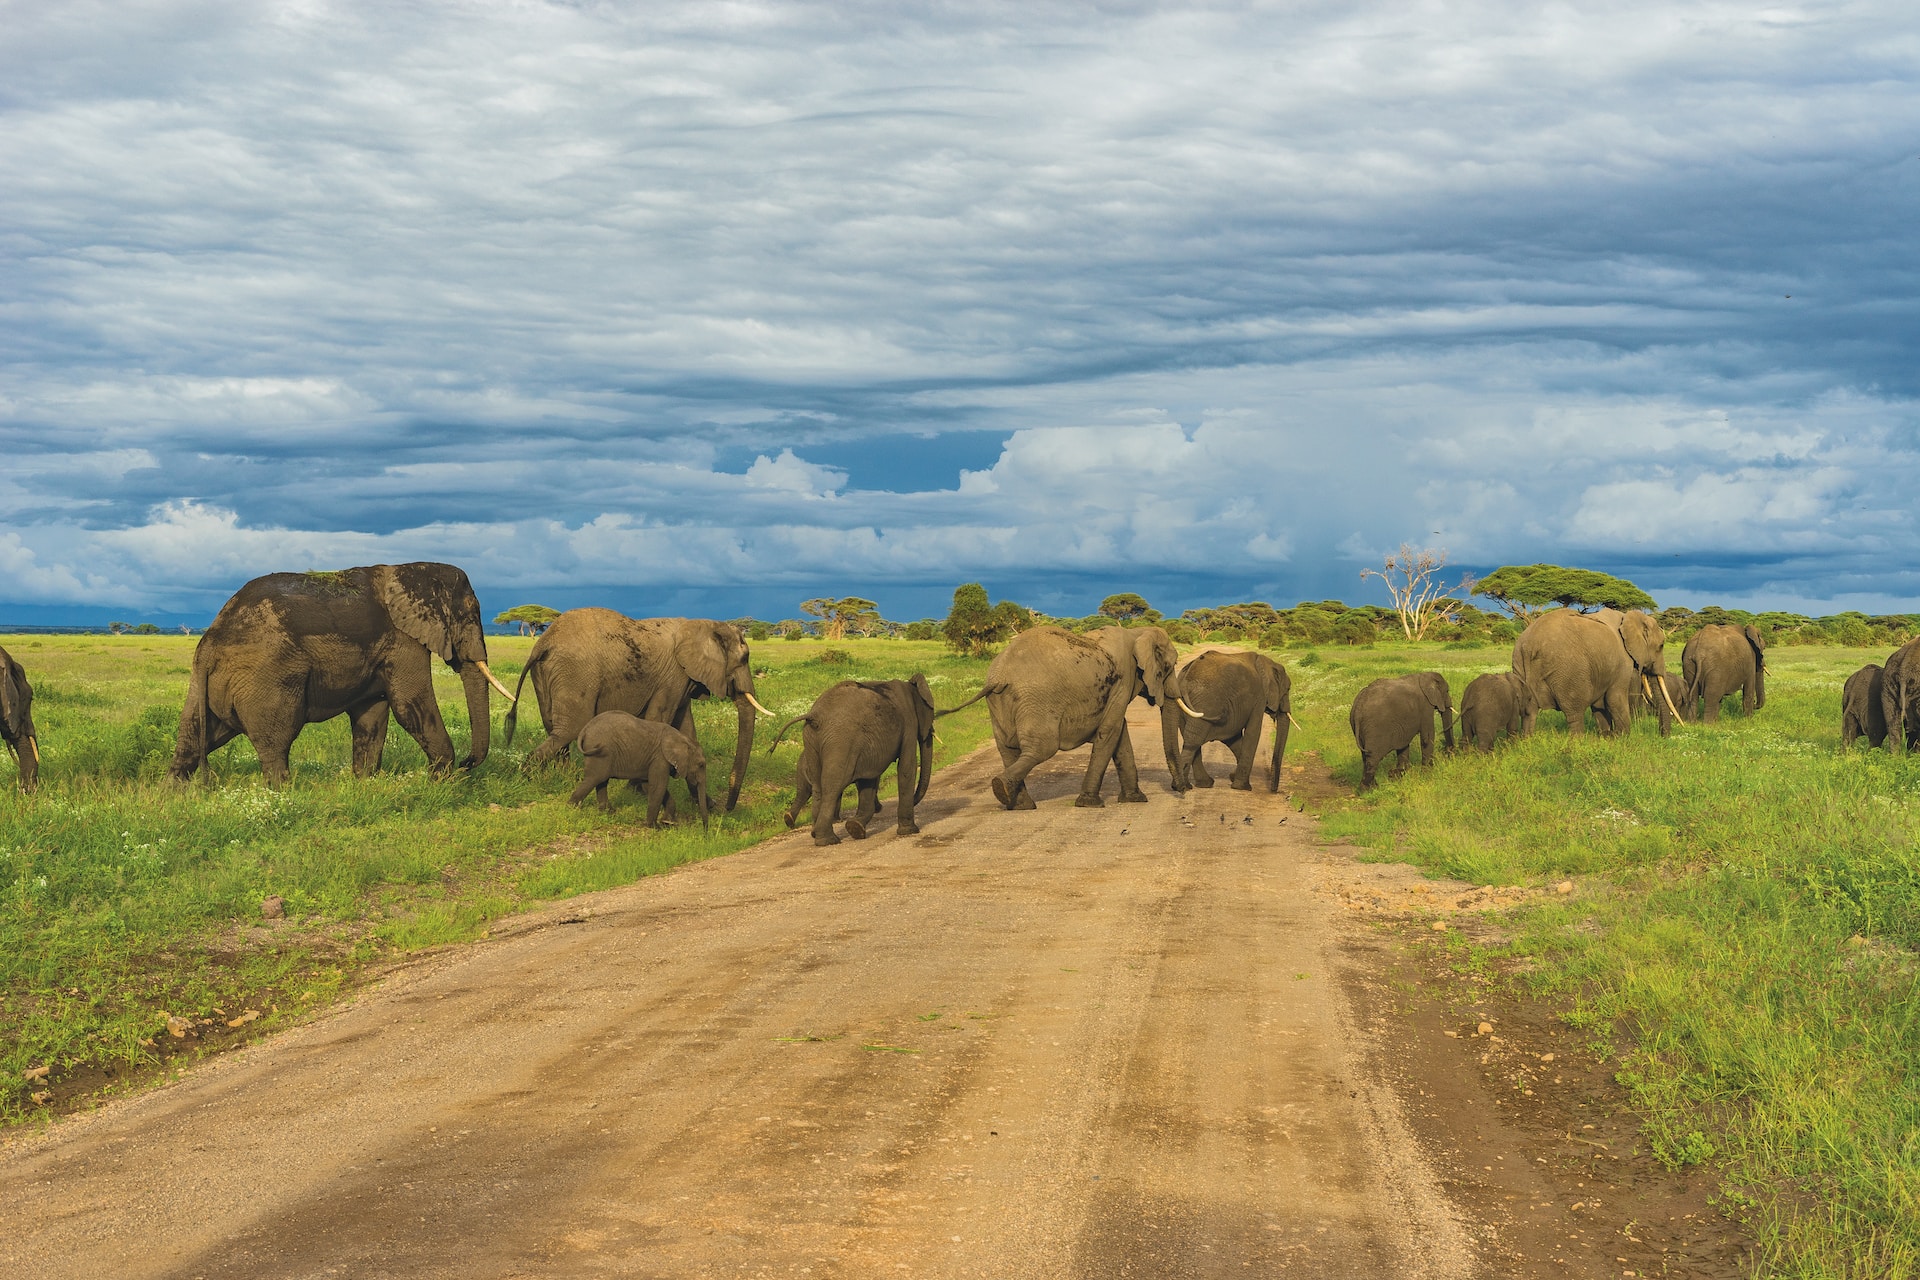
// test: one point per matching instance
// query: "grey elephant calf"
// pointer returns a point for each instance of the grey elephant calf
(1862, 712)
(616, 744)
(1390, 713)
(853, 734)
(1495, 701)
(16, 720)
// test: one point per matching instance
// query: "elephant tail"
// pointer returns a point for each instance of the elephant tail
(985, 691)
(788, 725)
(513, 708)
(206, 732)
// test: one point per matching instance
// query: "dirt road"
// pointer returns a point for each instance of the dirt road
(1067, 1042)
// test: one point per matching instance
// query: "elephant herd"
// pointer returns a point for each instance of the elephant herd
(292, 649)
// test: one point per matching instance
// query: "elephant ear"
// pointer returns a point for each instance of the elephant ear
(1277, 686)
(1437, 692)
(1147, 657)
(701, 651)
(922, 705)
(683, 753)
(421, 606)
(13, 701)
(1754, 638)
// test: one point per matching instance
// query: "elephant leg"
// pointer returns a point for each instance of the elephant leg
(802, 793)
(1711, 696)
(1189, 761)
(1010, 788)
(570, 715)
(1197, 774)
(826, 808)
(1106, 743)
(864, 811)
(1244, 746)
(657, 797)
(273, 747)
(592, 778)
(1123, 762)
(419, 715)
(1576, 722)
(369, 737)
(1369, 766)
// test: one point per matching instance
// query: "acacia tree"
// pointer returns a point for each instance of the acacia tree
(1412, 578)
(533, 618)
(1127, 606)
(1525, 589)
(837, 617)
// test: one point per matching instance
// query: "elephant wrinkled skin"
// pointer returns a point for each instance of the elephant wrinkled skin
(617, 745)
(1148, 665)
(1050, 691)
(1862, 710)
(16, 721)
(1233, 691)
(1495, 701)
(594, 660)
(1900, 697)
(853, 734)
(1719, 659)
(1391, 712)
(1573, 661)
(293, 649)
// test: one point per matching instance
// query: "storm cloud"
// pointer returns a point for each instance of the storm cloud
(709, 307)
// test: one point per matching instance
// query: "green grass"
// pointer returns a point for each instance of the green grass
(1744, 941)
(124, 898)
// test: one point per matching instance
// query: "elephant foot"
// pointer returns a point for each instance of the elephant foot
(792, 816)
(1025, 800)
(1202, 780)
(1241, 786)
(1084, 801)
(1000, 793)
(1135, 797)
(856, 828)
(907, 829)
(828, 838)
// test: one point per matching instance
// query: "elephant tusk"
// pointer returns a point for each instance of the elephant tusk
(33, 745)
(495, 683)
(1189, 710)
(756, 704)
(1292, 721)
(1645, 687)
(1669, 698)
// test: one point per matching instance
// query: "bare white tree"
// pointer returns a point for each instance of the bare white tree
(1412, 578)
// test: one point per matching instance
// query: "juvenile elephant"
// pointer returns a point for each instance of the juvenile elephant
(594, 660)
(1495, 701)
(1235, 691)
(16, 721)
(1050, 691)
(643, 753)
(293, 649)
(1719, 659)
(1862, 710)
(1900, 697)
(1391, 712)
(1573, 661)
(853, 734)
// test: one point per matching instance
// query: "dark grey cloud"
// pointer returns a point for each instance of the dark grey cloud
(760, 299)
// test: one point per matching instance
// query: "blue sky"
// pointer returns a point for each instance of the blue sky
(707, 308)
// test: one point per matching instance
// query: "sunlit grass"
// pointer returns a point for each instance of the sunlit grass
(1744, 939)
(124, 897)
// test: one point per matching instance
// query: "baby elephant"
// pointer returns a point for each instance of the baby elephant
(618, 745)
(1390, 713)
(854, 733)
(1495, 701)
(1861, 711)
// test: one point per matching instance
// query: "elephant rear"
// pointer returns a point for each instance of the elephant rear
(1862, 711)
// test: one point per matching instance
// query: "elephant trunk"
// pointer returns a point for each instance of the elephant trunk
(479, 713)
(742, 748)
(700, 795)
(1170, 736)
(926, 768)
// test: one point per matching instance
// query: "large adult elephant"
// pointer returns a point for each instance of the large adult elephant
(1235, 690)
(1719, 659)
(1148, 665)
(1572, 661)
(16, 721)
(594, 660)
(293, 649)
(1900, 697)
(1050, 691)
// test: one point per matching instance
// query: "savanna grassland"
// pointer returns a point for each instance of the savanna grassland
(1743, 944)
(126, 900)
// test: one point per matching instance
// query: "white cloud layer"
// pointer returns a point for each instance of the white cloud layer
(603, 302)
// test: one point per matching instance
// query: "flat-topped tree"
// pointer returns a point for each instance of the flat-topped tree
(1525, 589)
(1126, 606)
(531, 618)
(838, 617)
